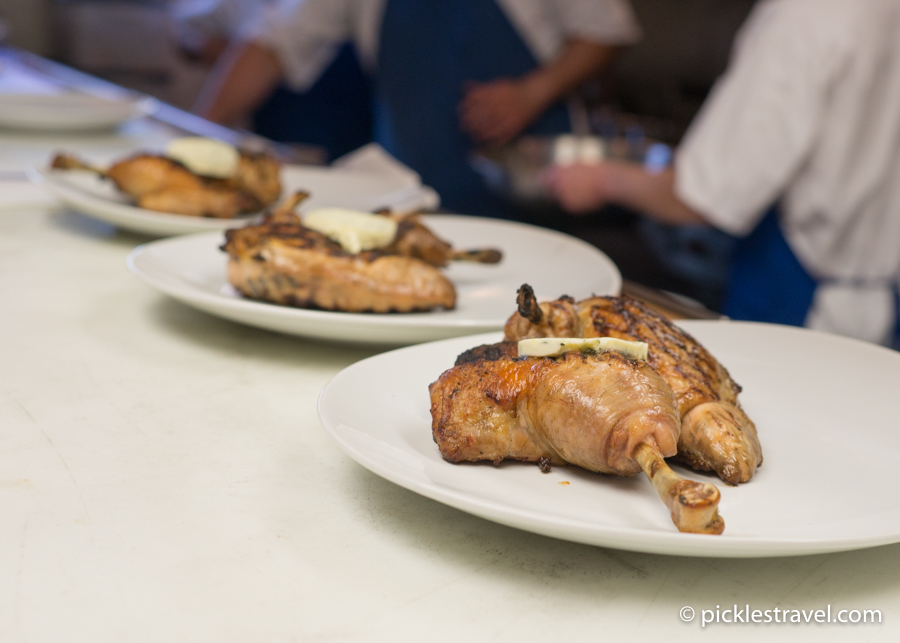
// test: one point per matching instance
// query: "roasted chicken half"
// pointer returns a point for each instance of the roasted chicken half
(716, 434)
(281, 261)
(164, 185)
(602, 412)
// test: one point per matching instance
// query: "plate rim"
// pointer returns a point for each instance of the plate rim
(133, 108)
(624, 538)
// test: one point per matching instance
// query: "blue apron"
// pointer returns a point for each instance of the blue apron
(335, 113)
(428, 50)
(769, 284)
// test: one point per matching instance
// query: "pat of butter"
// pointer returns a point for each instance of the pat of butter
(205, 156)
(355, 231)
(555, 346)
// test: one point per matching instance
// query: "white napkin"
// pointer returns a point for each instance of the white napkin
(373, 160)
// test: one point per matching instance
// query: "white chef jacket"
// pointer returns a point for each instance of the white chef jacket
(808, 115)
(305, 34)
(193, 20)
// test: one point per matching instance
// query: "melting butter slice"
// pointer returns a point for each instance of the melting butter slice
(205, 156)
(555, 346)
(355, 231)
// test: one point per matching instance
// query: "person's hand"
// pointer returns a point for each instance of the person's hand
(579, 188)
(498, 111)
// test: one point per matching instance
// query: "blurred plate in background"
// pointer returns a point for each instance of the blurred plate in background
(68, 112)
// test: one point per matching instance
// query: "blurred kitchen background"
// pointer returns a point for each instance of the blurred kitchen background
(654, 89)
(131, 42)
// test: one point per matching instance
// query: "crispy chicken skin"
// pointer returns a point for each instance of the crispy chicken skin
(589, 410)
(161, 184)
(284, 262)
(488, 352)
(716, 434)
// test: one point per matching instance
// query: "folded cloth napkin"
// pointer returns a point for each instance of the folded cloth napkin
(373, 160)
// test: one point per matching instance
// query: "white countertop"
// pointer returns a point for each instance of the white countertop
(164, 477)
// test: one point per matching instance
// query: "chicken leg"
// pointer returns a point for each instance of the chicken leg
(605, 413)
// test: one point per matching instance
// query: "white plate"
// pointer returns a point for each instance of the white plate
(825, 407)
(88, 193)
(68, 112)
(192, 270)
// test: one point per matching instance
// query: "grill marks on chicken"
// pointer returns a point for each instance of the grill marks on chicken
(164, 185)
(284, 262)
(604, 413)
(716, 434)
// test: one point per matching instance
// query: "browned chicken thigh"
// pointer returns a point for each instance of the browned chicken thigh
(716, 434)
(605, 413)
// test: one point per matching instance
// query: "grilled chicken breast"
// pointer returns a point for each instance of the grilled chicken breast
(284, 262)
(716, 434)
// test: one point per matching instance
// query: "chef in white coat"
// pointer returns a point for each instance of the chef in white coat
(797, 152)
(448, 74)
(204, 28)
(333, 113)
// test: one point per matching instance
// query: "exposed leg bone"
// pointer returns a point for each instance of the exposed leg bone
(284, 213)
(483, 255)
(71, 162)
(693, 505)
(528, 305)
